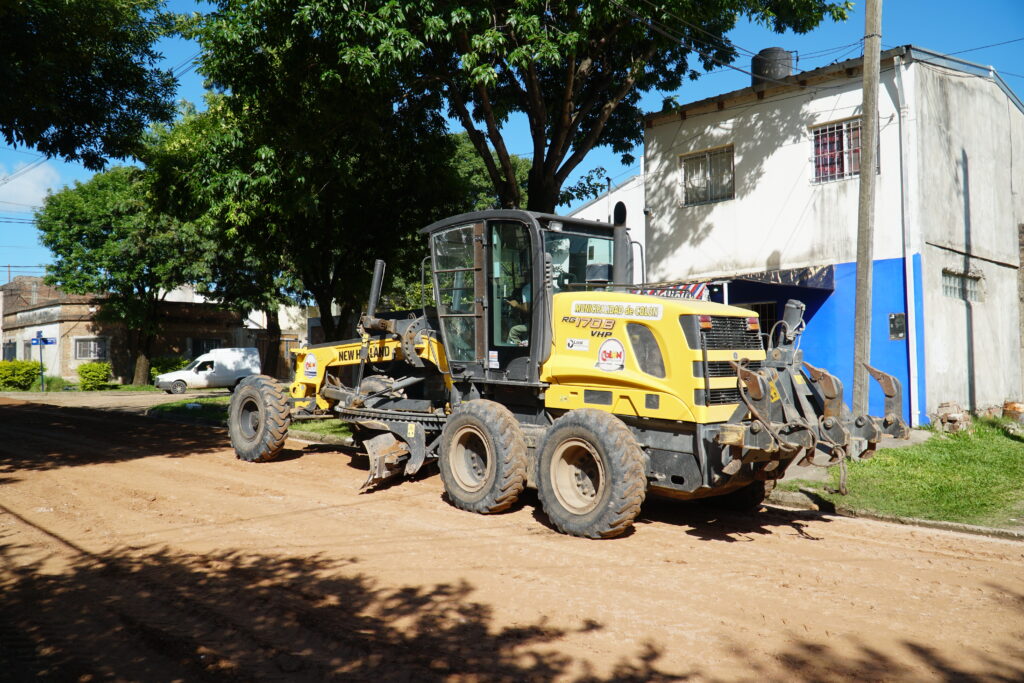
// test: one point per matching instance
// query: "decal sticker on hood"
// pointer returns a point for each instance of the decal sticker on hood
(611, 356)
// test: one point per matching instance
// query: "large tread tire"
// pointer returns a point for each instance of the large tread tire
(483, 457)
(591, 475)
(746, 499)
(258, 418)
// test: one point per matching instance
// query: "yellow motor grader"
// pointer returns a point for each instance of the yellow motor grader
(535, 366)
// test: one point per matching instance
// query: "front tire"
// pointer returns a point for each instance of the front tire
(483, 457)
(178, 387)
(591, 479)
(258, 418)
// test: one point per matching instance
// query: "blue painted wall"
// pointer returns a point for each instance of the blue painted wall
(828, 340)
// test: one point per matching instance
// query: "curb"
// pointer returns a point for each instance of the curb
(808, 500)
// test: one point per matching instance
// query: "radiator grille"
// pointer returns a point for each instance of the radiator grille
(721, 368)
(731, 333)
(717, 397)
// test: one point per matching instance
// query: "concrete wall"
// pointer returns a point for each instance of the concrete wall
(779, 217)
(969, 206)
(965, 206)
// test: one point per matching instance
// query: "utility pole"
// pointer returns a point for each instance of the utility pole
(866, 208)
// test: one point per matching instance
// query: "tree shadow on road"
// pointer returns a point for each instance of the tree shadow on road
(162, 615)
(37, 437)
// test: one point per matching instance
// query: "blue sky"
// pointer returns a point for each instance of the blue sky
(948, 26)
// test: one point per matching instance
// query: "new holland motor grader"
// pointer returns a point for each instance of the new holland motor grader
(533, 367)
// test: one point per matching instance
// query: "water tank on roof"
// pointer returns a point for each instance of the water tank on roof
(771, 64)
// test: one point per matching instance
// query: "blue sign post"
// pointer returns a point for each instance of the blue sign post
(39, 340)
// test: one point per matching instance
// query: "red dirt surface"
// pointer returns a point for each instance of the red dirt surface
(134, 549)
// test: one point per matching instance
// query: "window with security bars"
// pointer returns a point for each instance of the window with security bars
(767, 314)
(961, 286)
(94, 348)
(708, 176)
(836, 151)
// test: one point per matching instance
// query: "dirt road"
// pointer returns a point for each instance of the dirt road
(140, 550)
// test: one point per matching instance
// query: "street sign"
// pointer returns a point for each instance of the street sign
(45, 341)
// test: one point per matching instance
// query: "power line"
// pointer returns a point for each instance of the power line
(22, 171)
(663, 31)
(982, 47)
(30, 206)
(721, 39)
(19, 151)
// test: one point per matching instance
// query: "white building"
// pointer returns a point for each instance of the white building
(625, 203)
(759, 187)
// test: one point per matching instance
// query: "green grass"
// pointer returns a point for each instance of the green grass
(215, 408)
(325, 427)
(974, 477)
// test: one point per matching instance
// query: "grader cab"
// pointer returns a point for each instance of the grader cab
(534, 366)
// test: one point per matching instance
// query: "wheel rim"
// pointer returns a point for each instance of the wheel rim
(577, 476)
(179, 387)
(470, 459)
(249, 418)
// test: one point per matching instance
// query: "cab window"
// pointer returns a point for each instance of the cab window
(512, 295)
(578, 259)
(454, 278)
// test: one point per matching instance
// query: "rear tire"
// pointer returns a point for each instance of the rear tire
(483, 457)
(591, 475)
(746, 499)
(178, 387)
(258, 418)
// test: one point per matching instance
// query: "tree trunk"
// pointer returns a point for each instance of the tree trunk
(542, 195)
(270, 360)
(324, 301)
(141, 376)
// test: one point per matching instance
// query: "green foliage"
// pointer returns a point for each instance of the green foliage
(163, 364)
(93, 376)
(107, 237)
(80, 77)
(18, 375)
(53, 383)
(577, 71)
(308, 169)
(972, 477)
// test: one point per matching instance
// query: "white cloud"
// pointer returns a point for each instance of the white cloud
(30, 187)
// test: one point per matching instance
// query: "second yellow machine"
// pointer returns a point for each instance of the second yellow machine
(532, 366)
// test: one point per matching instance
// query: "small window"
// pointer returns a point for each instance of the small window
(646, 349)
(767, 313)
(708, 176)
(91, 348)
(201, 346)
(10, 350)
(963, 286)
(836, 151)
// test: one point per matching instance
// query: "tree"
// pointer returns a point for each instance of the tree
(80, 77)
(576, 70)
(205, 173)
(336, 169)
(106, 240)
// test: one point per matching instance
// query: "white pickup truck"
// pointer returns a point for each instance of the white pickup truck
(216, 368)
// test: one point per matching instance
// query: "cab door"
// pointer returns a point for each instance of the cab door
(458, 255)
(512, 298)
